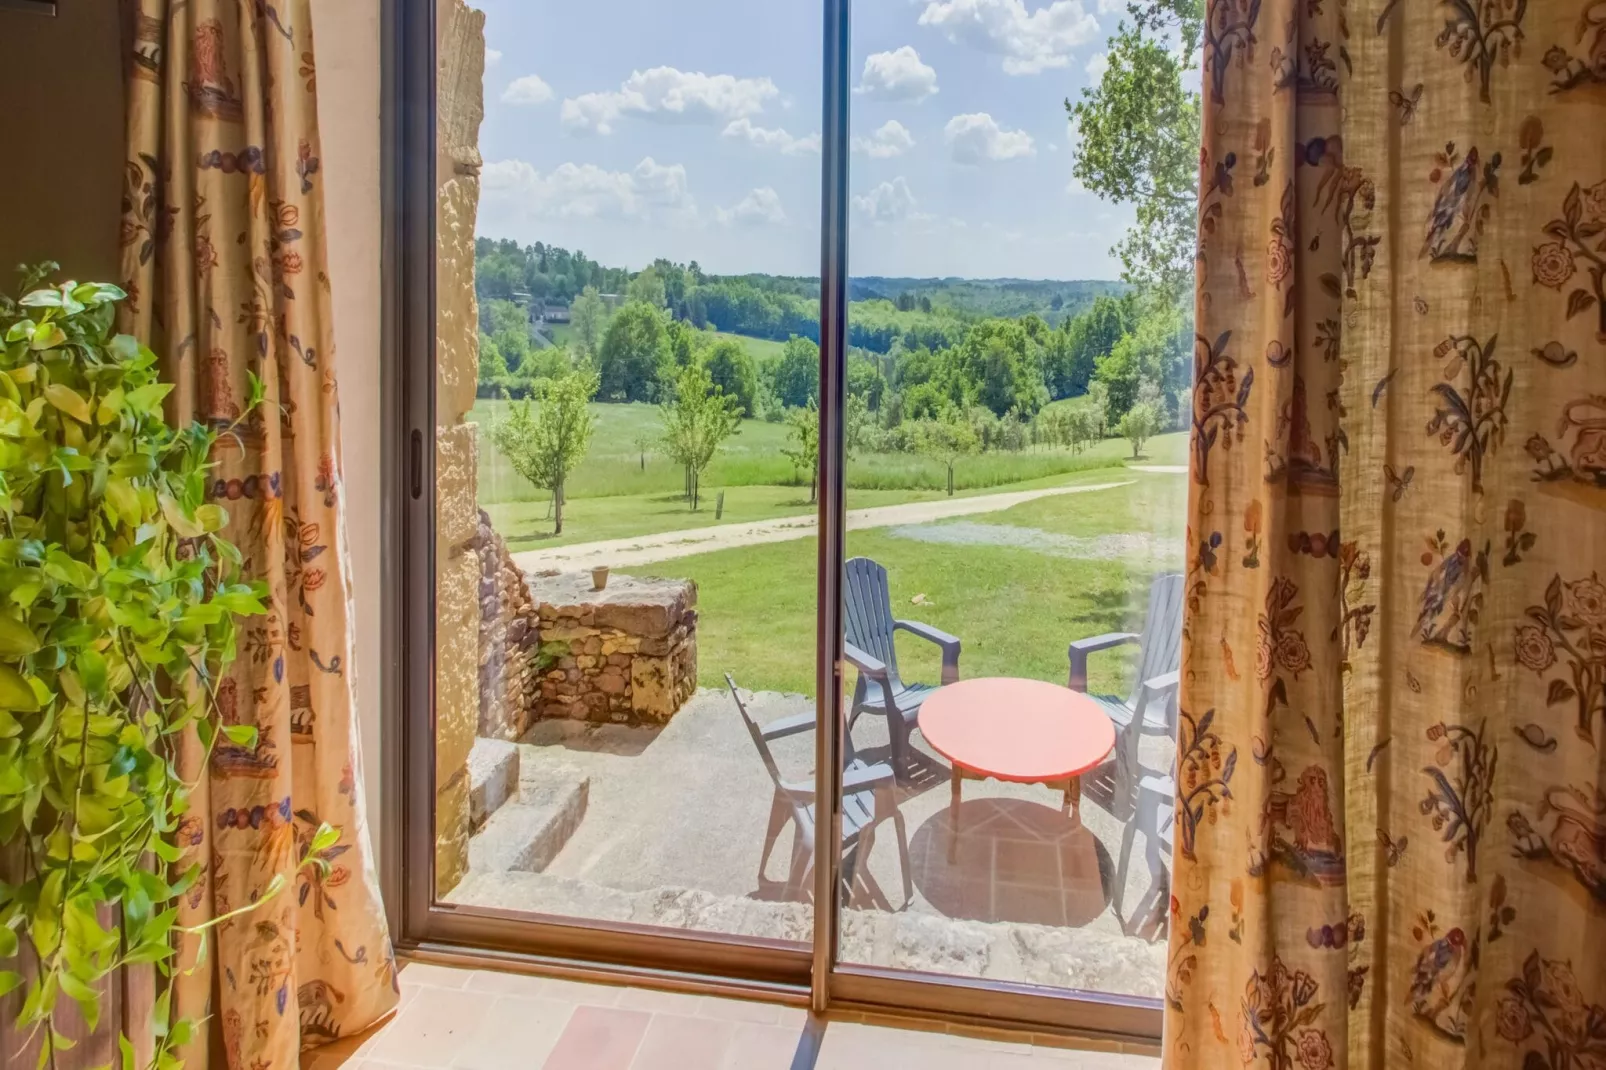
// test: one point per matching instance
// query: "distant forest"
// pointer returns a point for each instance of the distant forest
(884, 311)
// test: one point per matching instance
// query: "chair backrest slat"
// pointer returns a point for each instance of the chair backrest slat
(1161, 645)
(756, 732)
(868, 611)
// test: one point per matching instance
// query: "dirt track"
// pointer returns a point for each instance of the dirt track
(644, 549)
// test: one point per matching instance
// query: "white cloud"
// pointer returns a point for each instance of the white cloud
(527, 90)
(665, 94)
(897, 75)
(492, 57)
(976, 137)
(1112, 7)
(1030, 42)
(891, 139)
(1097, 64)
(761, 207)
(887, 203)
(766, 138)
(586, 191)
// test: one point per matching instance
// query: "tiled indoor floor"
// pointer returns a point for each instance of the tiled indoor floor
(476, 1020)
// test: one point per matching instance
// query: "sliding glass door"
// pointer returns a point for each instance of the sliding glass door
(736, 591)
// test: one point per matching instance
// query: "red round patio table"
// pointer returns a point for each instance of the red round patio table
(1022, 731)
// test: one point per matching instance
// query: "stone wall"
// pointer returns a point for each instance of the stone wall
(623, 655)
(510, 641)
(460, 107)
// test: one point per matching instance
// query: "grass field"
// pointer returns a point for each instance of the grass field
(1015, 609)
(760, 349)
(624, 463)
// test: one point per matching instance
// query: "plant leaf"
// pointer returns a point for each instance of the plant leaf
(69, 401)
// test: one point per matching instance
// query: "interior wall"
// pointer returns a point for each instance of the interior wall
(61, 183)
(347, 35)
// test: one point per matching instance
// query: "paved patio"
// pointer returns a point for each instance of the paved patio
(674, 826)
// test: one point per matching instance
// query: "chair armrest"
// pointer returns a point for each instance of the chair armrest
(872, 667)
(1080, 649)
(948, 643)
(788, 726)
(1157, 690)
(879, 775)
(1164, 684)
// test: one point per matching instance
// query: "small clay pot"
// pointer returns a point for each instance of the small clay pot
(599, 577)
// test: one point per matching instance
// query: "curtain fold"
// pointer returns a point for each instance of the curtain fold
(1392, 807)
(223, 257)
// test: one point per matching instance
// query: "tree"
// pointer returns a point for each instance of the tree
(803, 424)
(697, 419)
(545, 436)
(797, 373)
(866, 381)
(1098, 397)
(731, 368)
(1001, 363)
(648, 288)
(493, 366)
(631, 352)
(1072, 354)
(1139, 424)
(1139, 140)
(1159, 349)
(588, 319)
(947, 438)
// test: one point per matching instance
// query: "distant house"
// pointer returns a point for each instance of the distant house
(613, 301)
(556, 314)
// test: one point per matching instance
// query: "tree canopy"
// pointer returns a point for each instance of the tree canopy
(1138, 140)
(633, 347)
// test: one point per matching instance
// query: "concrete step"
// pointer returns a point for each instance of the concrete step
(526, 834)
(493, 777)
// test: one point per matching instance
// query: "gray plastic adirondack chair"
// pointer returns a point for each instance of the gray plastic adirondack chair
(868, 798)
(869, 648)
(1151, 708)
(1156, 818)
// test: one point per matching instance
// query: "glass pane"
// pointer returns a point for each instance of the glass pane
(626, 327)
(999, 830)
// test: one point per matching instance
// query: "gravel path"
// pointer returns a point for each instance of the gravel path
(644, 549)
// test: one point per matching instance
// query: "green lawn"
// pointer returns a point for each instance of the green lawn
(1015, 609)
(760, 349)
(527, 525)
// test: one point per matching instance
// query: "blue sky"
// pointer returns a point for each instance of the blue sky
(633, 129)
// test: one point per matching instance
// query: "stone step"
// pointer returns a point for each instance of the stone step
(526, 834)
(493, 778)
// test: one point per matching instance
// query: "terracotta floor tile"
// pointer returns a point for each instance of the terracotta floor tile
(518, 1033)
(433, 1028)
(650, 999)
(506, 984)
(674, 1042)
(767, 1047)
(427, 973)
(578, 992)
(743, 1010)
(599, 1038)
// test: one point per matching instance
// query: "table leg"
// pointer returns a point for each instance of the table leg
(957, 778)
(1073, 798)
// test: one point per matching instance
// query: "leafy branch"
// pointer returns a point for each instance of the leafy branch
(117, 624)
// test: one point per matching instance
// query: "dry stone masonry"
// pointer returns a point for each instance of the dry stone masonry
(623, 655)
(510, 641)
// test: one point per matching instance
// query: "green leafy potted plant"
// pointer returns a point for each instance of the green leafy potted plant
(119, 597)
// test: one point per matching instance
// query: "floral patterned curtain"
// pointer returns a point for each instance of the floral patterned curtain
(223, 254)
(1391, 843)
